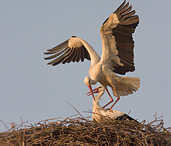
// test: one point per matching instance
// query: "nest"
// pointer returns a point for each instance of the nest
(82, 131)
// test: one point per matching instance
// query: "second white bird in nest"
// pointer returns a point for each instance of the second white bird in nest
(100, 113)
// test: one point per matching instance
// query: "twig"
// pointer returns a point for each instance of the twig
(4, 125)
(74, 108)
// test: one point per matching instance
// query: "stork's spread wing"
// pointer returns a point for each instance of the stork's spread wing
(117, 42)
(70, 50)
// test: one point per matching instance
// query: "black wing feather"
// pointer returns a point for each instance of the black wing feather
(124, 40)
(65, 54)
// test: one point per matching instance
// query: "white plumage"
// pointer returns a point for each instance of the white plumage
(117, 54)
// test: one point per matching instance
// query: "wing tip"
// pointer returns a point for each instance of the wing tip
(49, 63)
(120, 7)
(49, 52)
(53, 64)
(46, 53)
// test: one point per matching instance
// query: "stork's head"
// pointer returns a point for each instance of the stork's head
(87, 81)
(100, 90)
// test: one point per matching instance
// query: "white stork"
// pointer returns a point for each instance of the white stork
(100, 113)
(117, 54)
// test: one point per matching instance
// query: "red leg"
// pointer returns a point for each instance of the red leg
(118, 98)
(111, 99)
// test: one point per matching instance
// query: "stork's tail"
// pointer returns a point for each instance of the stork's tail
(127, 85)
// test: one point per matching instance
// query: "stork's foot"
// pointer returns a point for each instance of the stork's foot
(109, 109)
(103, 107)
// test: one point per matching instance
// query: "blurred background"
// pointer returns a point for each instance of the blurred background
(34, 91)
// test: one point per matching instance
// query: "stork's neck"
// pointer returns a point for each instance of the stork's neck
(97, 98)
(93, 55)
(96, 106)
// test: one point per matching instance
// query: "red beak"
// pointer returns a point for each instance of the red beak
(94, 91)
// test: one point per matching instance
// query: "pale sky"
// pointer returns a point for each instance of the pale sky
(31, 89)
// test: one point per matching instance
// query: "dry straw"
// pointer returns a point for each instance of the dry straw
(78, 130)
